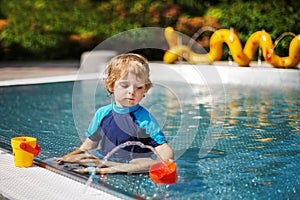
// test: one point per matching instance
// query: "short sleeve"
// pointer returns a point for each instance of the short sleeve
(146, 121)
(97, 119)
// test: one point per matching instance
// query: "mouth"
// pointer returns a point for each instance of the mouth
(130, 99)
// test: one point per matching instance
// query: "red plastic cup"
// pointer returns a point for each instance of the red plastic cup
(163, 172)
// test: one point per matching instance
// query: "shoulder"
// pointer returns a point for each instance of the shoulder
(103, 111)
(97, 119)
(147, 121)
(142, 114)
(144, 118)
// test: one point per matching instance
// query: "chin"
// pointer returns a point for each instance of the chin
(128, 104)
(131, 103)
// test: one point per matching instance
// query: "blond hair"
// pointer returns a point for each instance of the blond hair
(119, 67)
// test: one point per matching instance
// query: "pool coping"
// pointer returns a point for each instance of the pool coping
(26, 177)
(218, 73)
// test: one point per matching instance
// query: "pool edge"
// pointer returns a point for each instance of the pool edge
(65, 175)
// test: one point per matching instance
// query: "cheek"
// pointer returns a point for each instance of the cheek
(114, 87)
(117, 89)
(140, 93)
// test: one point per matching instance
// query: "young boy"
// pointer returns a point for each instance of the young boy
(127, 79)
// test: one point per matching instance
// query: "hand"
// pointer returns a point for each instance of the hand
(134, 166)
(101, 171)
(83, 159)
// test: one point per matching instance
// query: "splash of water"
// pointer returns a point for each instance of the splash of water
(282, 36)
(109, 154)
(198, 33)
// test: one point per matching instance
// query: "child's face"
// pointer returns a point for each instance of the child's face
(129, 90)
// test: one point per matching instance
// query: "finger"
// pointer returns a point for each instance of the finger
(76, 158)
(84, 170)
(88, 162)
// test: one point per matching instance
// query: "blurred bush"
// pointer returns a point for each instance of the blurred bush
(247, 17)
(63, 29)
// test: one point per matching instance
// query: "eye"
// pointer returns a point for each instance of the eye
(140, 87)
(124, 85)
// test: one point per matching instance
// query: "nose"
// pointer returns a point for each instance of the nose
(131, 89)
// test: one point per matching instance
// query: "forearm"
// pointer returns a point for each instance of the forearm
(165, 151)
(139, 164)
(135, 165)
(76, 151)
(86, 146)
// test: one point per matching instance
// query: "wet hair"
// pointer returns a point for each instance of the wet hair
(123, 64)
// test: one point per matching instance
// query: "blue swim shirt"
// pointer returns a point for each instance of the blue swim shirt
(113, 125)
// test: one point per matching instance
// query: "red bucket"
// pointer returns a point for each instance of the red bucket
(163, 172)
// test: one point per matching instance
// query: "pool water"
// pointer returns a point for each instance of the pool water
(256, 155)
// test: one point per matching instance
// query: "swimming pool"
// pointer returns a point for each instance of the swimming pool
(256, 156)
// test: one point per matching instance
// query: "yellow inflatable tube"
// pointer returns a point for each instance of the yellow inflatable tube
(241, 56)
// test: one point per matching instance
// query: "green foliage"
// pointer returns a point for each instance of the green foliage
(63, 29)
(119, 15)
(59, 29)
(275, 17)
(43, 27)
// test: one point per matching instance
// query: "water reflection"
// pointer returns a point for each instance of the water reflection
(256, 155)
(261, 142)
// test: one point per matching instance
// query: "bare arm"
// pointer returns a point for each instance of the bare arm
(86, 146)
(135, 165)
(165, 151)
